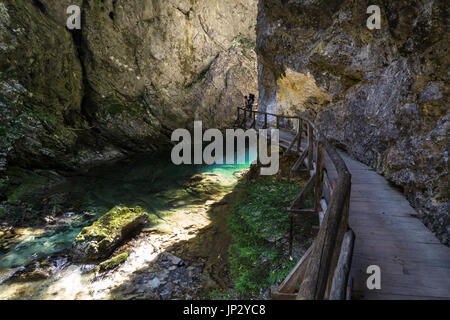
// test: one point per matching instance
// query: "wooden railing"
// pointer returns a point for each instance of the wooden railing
(322, 272)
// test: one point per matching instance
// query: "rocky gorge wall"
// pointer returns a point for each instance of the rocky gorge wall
(382, 95)
(135, 71)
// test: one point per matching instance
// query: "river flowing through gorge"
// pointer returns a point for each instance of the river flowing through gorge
(164, 261)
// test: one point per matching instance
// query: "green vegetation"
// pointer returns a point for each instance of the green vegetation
(244, 42)
(44, 263)
(112, 263)
(98, 241)
(256, 224)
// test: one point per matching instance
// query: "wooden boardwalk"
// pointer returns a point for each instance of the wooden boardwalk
(413, 263)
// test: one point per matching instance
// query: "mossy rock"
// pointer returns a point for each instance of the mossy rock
(98, 241)
(44, 263)
(112, 263)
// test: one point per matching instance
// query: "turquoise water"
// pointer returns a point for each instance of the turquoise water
(153, 183)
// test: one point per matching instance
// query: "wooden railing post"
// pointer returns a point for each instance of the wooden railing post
(320, 163)
(245, 117)
(341, 230)
(300, 129)
(340, 289)
(310, 147)
(278, 122)
(265, 120)
(291, 233)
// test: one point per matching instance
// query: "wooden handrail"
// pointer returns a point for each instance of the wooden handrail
(269, 114)
(322, 272)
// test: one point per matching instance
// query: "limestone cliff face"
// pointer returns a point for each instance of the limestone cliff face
(133, 73)
(40, 86)
(383, 95)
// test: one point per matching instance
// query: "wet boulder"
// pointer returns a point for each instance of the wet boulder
(98, 241)
(112, 263)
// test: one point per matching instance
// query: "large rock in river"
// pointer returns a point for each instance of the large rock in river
(99, 240)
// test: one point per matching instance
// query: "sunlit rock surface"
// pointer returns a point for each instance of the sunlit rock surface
(100, 239)
(383, 95)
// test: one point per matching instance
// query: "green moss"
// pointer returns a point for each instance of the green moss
(44, 263)
(112, 263)
(244, 42)
(110, 224)
(98, 241)
(256, 263)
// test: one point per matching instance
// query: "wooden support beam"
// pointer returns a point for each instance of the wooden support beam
(276, 295)
(323, 204)
(292, 282)
(301, 211)
(341, 273)
(310, 147)
(299, 161)
(254, 120)
(291, 145)
(327, 187)
(304, 193)
(348, 294)
(291, 234)
(300, 129)
(319, 176)
(307, 165)
(342, 229)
